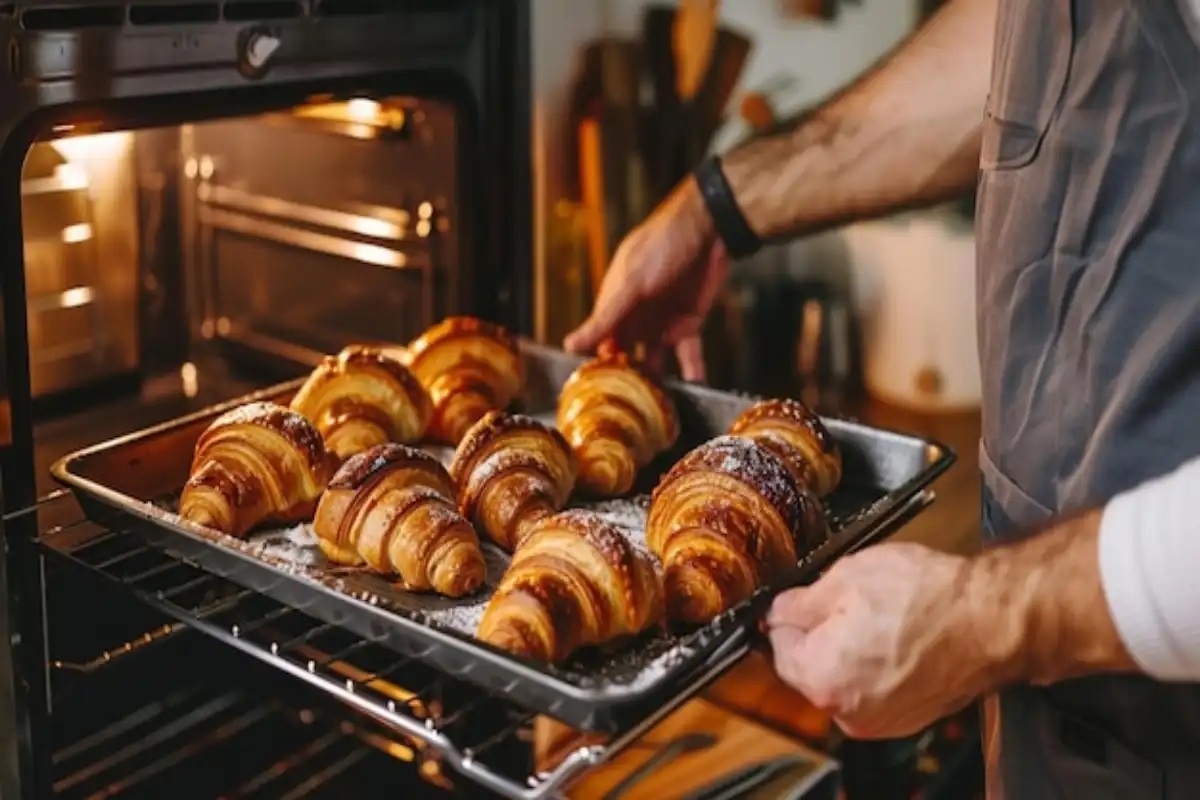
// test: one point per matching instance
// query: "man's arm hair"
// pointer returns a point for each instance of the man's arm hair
(1041, 606)
(1109, 590)
(905, 135)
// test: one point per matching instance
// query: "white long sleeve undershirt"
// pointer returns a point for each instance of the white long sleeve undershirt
(1150, 571)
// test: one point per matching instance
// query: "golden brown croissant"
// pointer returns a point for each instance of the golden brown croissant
(469, 367)
(258, 463)
(511, 471)
(798, 436)
(393, 508)
(616, 418)
(725, 520)
(362, 398)
(574, 582)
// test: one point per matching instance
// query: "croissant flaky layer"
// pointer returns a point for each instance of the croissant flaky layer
(799, 437)
(511, 471)
(574, 582)
(364, 397)
(725, 520)
(469, 367)
(616, 418)
(258, 463)
(393, 508)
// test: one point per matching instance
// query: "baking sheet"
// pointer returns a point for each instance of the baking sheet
(133, 481)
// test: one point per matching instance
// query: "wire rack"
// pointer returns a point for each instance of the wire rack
(228, 743)
(434, 712)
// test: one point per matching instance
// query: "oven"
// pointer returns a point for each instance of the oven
(202, 197)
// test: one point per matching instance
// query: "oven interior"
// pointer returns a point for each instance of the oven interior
(172, 267)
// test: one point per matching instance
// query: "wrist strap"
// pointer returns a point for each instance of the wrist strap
(739, 238)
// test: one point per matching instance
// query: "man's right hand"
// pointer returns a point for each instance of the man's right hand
(660, 286)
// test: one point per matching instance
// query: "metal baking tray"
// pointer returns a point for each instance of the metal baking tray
(129, 484)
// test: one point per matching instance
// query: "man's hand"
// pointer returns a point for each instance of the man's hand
(897, 636)
(662, 283)
(887, 641)
(876, 148)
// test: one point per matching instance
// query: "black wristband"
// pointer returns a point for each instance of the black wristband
(739, 238)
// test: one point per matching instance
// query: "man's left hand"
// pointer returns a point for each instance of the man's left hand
(888, 641)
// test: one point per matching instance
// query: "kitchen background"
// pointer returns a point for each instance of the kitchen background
(887, 306)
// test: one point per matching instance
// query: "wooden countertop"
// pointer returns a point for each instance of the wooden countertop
(736, 743)
(951, 524)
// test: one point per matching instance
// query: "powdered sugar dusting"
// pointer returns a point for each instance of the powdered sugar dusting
(297, 545)
(629, 514)
(752, 464)
(635, 668)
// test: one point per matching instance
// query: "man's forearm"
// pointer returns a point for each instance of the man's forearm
(1041, 606)
(905, 135)
(1111, 590)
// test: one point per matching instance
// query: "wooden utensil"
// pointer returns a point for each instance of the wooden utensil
(685, 743)
(694, 35)
(707, 107)
(691, 88)
(740, 742)
(593, 191)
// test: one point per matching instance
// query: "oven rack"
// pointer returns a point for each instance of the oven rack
(355, 671)
(193, 729)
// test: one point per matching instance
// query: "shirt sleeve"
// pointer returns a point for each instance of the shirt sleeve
(1150, 571)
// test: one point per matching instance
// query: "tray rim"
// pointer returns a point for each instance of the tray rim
(609, 696)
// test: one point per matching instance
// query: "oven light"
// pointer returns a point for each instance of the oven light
(76, 296)
(423, 228)
(74, 234)
(425, 210)
(98, 146)
(190, 377)
(362, 110)
(360, 130)
(71, 177)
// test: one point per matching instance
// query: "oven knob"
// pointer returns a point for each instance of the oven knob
(257, 46)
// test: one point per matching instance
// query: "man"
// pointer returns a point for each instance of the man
(1086, 149)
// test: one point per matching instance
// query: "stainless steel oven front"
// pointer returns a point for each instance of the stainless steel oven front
(202, 196)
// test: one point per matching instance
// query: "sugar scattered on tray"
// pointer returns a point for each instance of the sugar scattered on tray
(464, 618)
(296, 545)
(627, 514)
(638, 667)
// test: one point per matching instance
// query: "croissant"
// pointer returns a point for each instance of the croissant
(511, 471)
(574, 582)
(469, 367)
(392, 507)
(258, 463)
(798, 436)
(724, 521)
(616, 418)
(362, 398)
